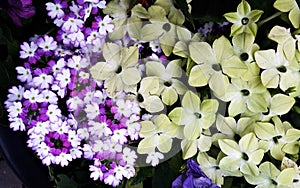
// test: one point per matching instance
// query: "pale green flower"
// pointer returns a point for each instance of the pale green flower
(146, 95)
(244, 19)
(242, 157)
(231, 129)
(119, 70)
(246, 96)
(158, 134)
(270, 177)
(274, 136)
(170, 85)
(214, 65)
(278, 72)
(196, 117)
(119, 9)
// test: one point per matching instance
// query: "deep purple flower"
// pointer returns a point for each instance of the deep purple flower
(17, 9)
(193, 178)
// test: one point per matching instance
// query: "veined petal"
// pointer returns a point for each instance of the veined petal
(112, 53)
(201, 52)
(248, 143)
(147, 145)
(222, 49)
(199, 75)
(191, 101)
(254, 15)
(102, 70)
(234, 67)
(232, 17)
(236, 107)
(243, 8)
(270, 78)
(189, 148)
(129, 56)
(169, 96)
(154, 68)
(164, 143)
(192, 130)
(131, 76)
(230, 147)
(148, 129)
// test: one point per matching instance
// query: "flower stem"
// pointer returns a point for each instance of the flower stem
(268, 18)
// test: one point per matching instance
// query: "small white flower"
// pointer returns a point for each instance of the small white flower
(88, 97)
(48, 159)
(99, 146)
(33, 95)
(72, 25)
(73, 138)
(40, 128)
(49, 96)
(92, 110)
(119, 136)
(115, 147)
(88, 153)
(63, 159)
(112, 180)
(154, 157)
(84, 75)
(15, 109)
(99, 129)
(154, 45)
(54, 10)
(105, 25)
(119, 171)
(42, 81)
(96, 173)
(83, 133)
(17, 124)
(130, 171)
(74, 102)
(129, 156)
(28, 50)
(15, 93)
(53, 113)
(47, 43)
(64, 77)
(24, 75)
(58, 66)
(43, 150)
(75, 153)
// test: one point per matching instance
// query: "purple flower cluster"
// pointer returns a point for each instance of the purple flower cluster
(66, 113)
(193, 178)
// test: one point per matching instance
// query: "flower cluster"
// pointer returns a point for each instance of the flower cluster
(121, 84)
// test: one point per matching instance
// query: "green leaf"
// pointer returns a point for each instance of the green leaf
(65, 182)
(281, 104)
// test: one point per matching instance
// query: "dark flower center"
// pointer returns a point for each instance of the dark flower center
(281, 69)
(216, 67)
(245, 156)
(245, 21)
(140, 98)
(198, 115)
(119, 70)
(276, 138)
(167, 83)
(166, 27)
(245, 92)
(244, 56)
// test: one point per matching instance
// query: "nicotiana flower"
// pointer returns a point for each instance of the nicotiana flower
(242, 157)
(193, 178)
(169, 80)
(158, 134)
(244, 19)
(277, 70)
(119, 72)
(215, 65)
